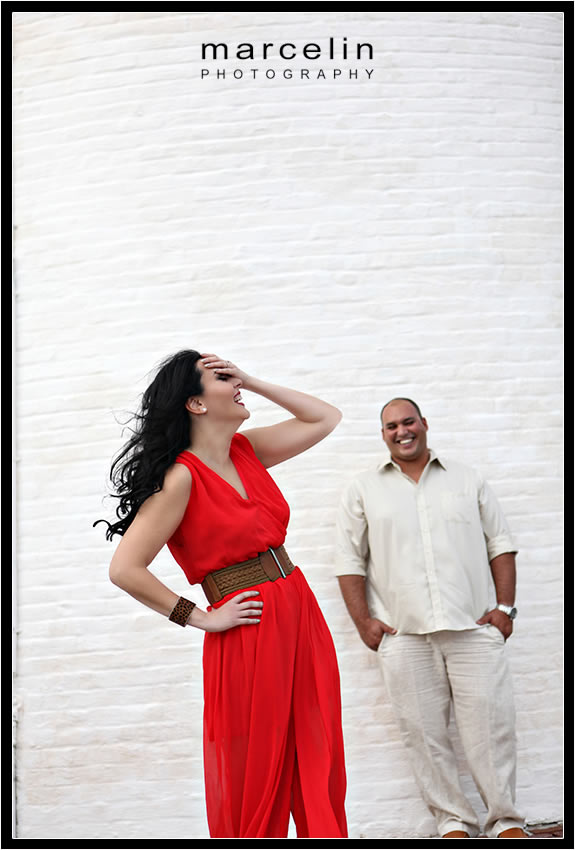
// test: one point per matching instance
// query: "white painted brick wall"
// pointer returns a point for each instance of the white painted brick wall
(354, 239)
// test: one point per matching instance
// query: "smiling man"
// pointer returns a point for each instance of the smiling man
(426, 566)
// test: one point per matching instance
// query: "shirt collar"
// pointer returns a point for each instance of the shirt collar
(388, 463)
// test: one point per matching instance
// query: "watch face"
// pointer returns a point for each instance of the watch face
(513, 613)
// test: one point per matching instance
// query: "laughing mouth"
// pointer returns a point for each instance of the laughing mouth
(406, 442)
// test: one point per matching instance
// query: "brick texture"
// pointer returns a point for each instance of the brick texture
(353, 238)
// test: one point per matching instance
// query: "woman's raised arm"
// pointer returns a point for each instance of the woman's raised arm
(313, 418)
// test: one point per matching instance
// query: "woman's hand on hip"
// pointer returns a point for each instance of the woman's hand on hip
(241, 610)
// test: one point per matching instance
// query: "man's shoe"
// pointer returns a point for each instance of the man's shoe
(514, 832)
(456, 833)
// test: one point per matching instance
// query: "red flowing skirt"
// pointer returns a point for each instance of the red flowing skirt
(273, 741)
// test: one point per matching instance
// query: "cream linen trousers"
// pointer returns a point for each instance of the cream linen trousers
(423, 674)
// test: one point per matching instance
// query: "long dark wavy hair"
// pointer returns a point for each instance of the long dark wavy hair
(160, 432)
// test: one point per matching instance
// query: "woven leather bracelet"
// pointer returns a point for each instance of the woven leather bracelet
(181, 611)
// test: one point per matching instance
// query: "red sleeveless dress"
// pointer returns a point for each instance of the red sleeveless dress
(272, 711)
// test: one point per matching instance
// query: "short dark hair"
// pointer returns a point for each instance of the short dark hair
(401, 399)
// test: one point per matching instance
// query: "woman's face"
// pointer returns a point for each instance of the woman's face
(221, 397)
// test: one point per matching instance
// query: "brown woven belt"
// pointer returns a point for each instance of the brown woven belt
(268, 566)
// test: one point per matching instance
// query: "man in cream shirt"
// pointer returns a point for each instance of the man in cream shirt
(426, 566)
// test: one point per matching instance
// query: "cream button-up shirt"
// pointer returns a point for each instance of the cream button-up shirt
(424, 548)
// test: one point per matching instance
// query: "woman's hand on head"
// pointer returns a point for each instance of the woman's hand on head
(224, 367)
(241, 610)
(313, 419)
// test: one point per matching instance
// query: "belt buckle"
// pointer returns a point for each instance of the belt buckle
(279, 566)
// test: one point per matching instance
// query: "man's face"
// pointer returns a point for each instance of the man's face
(404, 432)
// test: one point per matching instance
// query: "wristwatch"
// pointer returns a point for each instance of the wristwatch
(511, 611)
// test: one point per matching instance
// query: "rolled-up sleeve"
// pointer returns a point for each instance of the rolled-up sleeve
(352, 544)
(498, 537)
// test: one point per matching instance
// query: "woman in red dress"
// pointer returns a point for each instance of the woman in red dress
(272, 713)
